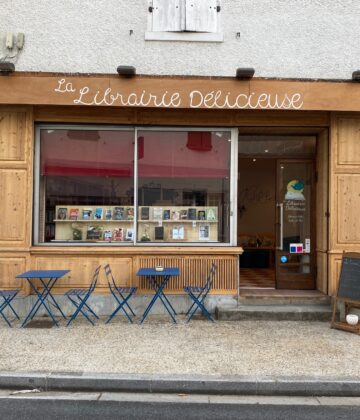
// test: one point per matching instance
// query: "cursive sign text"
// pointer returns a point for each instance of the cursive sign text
(214, 99)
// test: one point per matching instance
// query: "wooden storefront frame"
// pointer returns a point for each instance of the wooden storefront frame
(323, 111)
(288, 122)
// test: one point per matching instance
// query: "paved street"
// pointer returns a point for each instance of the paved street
(105, 406)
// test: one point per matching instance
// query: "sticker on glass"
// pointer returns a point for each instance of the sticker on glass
(295, 189)
(296, 248)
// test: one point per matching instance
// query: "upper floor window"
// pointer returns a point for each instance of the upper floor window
(184, 20)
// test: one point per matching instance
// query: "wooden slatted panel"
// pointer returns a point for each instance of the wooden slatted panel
(193, 270)
(334, 273)
(13, 206)
(10, 267)
(82, 269)
(344, 182)
(15, 176)
(12, 136)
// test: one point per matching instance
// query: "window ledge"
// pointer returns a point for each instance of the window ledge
(184, 36)
(136, 250)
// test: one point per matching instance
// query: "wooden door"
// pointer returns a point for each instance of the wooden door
(295, 233)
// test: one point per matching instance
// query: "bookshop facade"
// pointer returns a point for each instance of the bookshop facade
(179, 172)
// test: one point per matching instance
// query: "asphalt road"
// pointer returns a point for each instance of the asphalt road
(106, 406)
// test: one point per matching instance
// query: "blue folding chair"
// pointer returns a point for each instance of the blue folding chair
(79, 297)
(198, 295)
(118, 292)
(8, 296)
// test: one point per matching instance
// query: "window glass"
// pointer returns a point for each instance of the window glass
(183, 186)
(277, 146)
(86, 184)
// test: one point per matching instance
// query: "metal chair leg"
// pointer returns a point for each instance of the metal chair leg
(200, 305)
(121, 305)
(79, 305)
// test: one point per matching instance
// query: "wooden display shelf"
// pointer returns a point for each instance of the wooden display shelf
(178, 221)
(140, 249)
(93, 221)
(80, 241)
(199, 230)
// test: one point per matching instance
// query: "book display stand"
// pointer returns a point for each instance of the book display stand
(155, 224)
(90, 223)
(178, 224)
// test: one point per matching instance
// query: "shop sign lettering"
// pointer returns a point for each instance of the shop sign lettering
(295, 205)
(295, 210)
(295, 218)
(215, 99)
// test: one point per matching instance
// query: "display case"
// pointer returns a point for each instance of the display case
(178, 224)
(94, 224)
(155, 224)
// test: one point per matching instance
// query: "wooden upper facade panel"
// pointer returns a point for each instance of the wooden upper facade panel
(179, 93)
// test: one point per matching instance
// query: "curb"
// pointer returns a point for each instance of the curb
(215, 385)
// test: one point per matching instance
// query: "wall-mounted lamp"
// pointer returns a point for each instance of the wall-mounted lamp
(356, 76)
(126, 71)
(245, 73)
(6, 68)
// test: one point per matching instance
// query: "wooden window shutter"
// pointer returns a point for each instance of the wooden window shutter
(201, 15)
(168, 15)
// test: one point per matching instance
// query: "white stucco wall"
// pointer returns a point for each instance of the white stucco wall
(279, 38)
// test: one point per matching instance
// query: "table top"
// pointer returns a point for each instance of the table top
(42, 274)
(152, 272)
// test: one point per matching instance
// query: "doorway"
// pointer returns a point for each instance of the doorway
(276, 211)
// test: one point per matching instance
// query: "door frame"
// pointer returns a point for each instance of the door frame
(322, 185)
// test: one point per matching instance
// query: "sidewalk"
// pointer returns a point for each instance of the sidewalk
(255, 349)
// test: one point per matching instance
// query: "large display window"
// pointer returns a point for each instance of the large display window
(90, 189)
(184, 186)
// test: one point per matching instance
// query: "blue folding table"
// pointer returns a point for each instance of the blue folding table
(47, 278)
(158, 281)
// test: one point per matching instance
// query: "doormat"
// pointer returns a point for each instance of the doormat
(40, 323)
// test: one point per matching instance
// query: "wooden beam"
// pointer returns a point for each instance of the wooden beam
(179, 92)
(182, 117)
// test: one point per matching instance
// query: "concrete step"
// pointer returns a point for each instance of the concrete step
(281, 300)
(274, 313)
